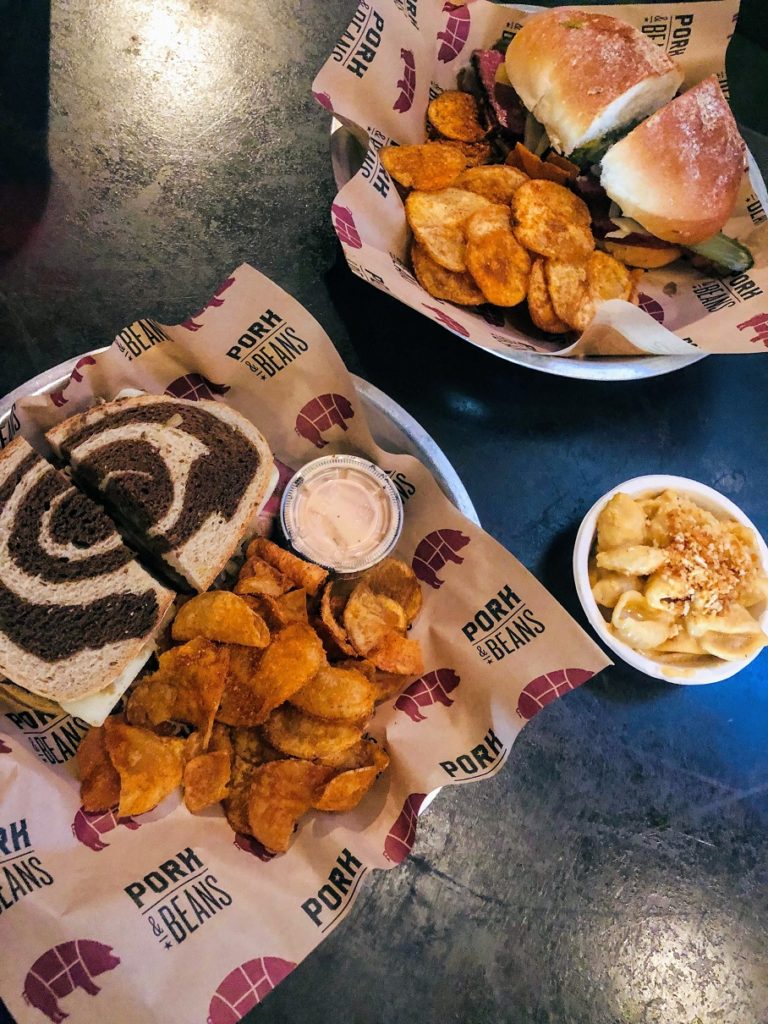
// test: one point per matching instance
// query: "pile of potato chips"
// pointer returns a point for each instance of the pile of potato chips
(500, 233)
(278, 682)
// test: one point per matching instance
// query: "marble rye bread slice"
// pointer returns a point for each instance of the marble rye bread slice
(77, 613)
(184, 479)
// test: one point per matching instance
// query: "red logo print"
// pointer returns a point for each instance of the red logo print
(215, 302)
(4, 748)
(651, 306)
(88, 826)
(64, 968)
(246, 987)
(321, 414)
(250, 845)
(544, 689)
(193, 386)
(401, 836)
(344, 226)
(323, 99)
(57, 397)
(455, 34)
(434, 551)
(433, 688)
(448, 321)
(284, 475)
(760, 325)
(407, 84)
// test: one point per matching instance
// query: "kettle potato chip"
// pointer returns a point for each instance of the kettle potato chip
(236, 802)
(398, 654)
(281, 610)
(221, 616)
(475, 153)
(363, 754)
(259, 577)
(607, 278)
(206, 780)
(553, 222)
(569, 291)
(150, 766)
(303, 574)
(345, 791)
(495, 182)
(540, 303)
(429, 166)
(444, 284)
(495, 259)
(300, 735)
(437, 220)
(396, 580)
(370, 617)
(250, 745)
(331, 609)
(336, 693)
(280, 793)
(521, 157)
(99, 782)
(455, 115)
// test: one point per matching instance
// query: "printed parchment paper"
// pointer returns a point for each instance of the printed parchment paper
(169, 915)
(396, 55)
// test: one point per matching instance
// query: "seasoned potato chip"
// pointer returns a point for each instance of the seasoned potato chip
(249, 745)
(259, 577)
(456, 116)
(572, 170)
(206, 779)
(258, 681)
(336, 693)
(569, 291)
(552, 221)
(149, 766)
(494, 182)
(535, 167)
(442, 283)
(396, 580)
(359, 665)
(437, 220)
(99, 782)
(398, 654)
(495, 258)
(303, 574)
(388, 684)
(364, 754)
(280, 793)
(370, 617)
(236, 802)
(187, 687)
(540, 304)
(345, 791)
(331, 610)
(427, 167)
(300, 735)
(222, 616)
(607, 278)
(282, 610)
(475, 153)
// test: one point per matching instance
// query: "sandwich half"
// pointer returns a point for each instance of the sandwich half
(78, 615)
(183, 479)
(587, 78)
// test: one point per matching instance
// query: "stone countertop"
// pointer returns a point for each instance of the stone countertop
(615, 871)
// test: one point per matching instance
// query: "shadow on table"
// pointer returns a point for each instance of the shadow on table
(25, 172)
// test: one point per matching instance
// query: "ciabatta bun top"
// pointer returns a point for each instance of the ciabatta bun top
(678, 173)
(583, 74)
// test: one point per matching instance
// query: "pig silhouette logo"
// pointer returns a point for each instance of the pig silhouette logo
(407, 84)
(544, 689)
(246, 987)
(323, 99)
(433, 688)
(448, 321)
(57, 397)
(64, 968)
(344, 226)
(651, 306)
(401, 836)
(455, 34)
(434, 551)
(193, 386)
(215, 302)
(320, 414)
(89, 826)
(4, 748)
(250, 845)
(760, 325)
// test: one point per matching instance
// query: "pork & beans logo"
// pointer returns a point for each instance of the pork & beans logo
(61, 970)
(723, 292)
(502, 626)
(214, 303)
(409, 9)
(21, 870)
(140, 337)
(544, 689)
(758, 324)
(456, 32)
(89, 826)
(344, 226)
(178, 897)
(268, 346)
(320, 414)
(402, 835)
(245, 987)
(357, 48)
(434, 552)
(194, 387)
(53, 738)
(432, 688)
(407, 84)
(671, 32)
(485, 758)
(334, 897)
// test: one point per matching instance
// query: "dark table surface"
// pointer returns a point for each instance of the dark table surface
(615, 872)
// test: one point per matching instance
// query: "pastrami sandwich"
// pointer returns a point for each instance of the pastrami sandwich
(183, 479)
(78, 615)
(586, 79)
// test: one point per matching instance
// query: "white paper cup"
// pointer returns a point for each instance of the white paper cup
(645, 486)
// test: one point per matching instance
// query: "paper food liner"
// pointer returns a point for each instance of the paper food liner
(396, 55)
(173, 913)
